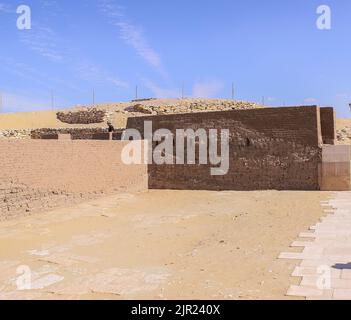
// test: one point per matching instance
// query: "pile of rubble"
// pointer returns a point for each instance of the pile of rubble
(188, 106)
(80, 117)
(344, 135)
(139, 108)
(88, 116)
(15, 134)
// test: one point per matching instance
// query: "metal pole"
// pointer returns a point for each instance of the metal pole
(136, 92)
(233, 91)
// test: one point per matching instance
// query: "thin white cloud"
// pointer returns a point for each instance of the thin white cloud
(23, 71)
(159, 92)
(49, 3)
(53, 9)
(209, 89)
(93, 73)
(342, 95)
(310, 100)
(5, 8)
(132, 35)
(43, 41)
(16, 102)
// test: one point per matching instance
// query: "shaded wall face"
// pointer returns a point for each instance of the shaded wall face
(38, 174)
(328, 125)
(269, 149)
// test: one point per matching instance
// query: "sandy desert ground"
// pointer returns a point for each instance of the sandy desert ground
(117, 112)
(342, 123)
(343, 127)
(159, 245)
(34, 120)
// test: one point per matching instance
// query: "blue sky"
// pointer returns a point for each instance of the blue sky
(267, 48)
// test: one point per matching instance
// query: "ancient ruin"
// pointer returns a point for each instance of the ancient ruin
(270, 148)
(290, 148)
(199, 223)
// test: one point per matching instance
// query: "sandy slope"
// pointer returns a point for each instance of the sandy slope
(343, 127)
(206, 245)
(117, 113)
(33, 120)
(342, 123)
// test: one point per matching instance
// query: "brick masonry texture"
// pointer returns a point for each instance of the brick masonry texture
(36, 175)
(76, 133)
(272, 148)
(328, 125)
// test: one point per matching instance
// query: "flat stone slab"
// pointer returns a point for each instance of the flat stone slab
(342, 294)
(315, 271)
(307, 235)
(325, 268)
(303, 291)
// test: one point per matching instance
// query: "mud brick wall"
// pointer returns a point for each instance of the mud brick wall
(328, 125)
(76, 133)
(82, 117)
(36, 175)
(273, 148)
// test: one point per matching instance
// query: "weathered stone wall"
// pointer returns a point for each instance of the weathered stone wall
(37, 175)
(76, 133)
(88, 116)
(328, 125)
(273, 148)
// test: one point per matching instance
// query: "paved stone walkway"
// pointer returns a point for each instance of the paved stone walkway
(325, 267)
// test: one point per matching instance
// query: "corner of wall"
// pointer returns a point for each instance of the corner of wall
(319, 127)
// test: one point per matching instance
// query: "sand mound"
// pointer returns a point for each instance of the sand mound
(19, 125)
(116, 113)
(343, 127)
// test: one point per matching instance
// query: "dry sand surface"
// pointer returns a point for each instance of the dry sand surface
(117, 112)
(342, 123)
(343, 127)
(34, 120)
(159, 245)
